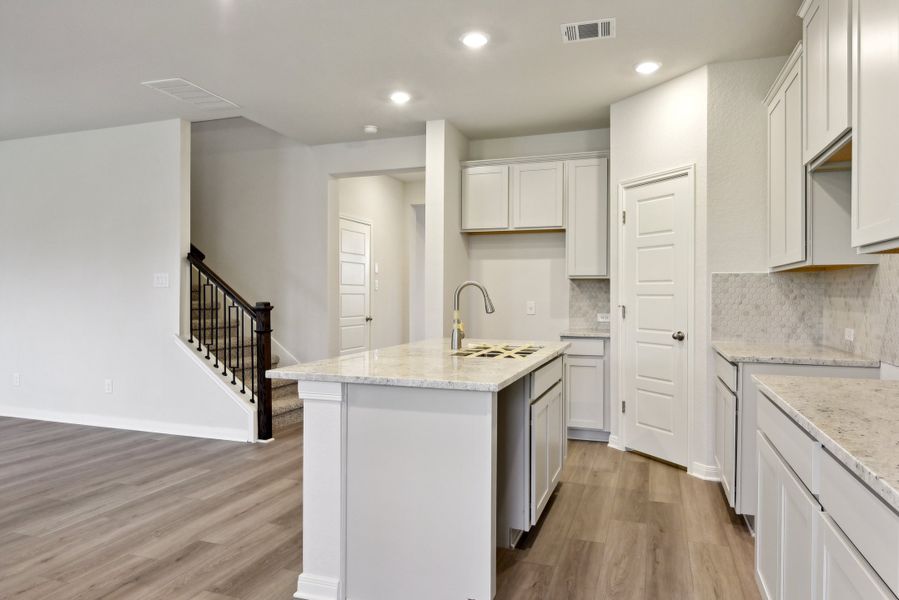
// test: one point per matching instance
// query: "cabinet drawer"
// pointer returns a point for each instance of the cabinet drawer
(798, 449)
(545, 377)
(726, 372)
(585, 346)
(871, 525)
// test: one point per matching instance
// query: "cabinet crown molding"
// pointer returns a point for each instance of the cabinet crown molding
(781, 77)
(533, 159)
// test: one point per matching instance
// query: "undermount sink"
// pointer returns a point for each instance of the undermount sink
(497, 351)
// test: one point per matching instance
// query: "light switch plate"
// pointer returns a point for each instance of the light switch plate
(602, 317)
(531, 307)
(377, 268)
(107, 386)
(160, 280)
(16, 379)
(849, 334)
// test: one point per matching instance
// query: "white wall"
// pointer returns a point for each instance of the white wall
(738, 172)
(657, 130)
(86, 219)
(588, 140)
(380, 200)
(515, 269)
(265, 214)
(446, 248)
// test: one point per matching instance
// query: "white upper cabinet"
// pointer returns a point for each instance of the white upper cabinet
(538, 195)
(485, 193)
(786, 168)
(826, 74)
(587, 239)
(875, 125)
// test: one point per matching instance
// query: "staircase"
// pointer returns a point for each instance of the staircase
(234, 336)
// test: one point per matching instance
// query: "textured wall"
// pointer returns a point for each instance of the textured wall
(586, 297)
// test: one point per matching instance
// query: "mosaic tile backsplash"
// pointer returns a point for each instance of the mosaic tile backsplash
(812, 308)
(586, 297)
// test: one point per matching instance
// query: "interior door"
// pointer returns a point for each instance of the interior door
(656, 280)
(354, 286)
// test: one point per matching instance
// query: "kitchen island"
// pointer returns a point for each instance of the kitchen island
(418, 461)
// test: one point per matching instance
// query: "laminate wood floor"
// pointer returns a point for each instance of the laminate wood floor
(89, 513)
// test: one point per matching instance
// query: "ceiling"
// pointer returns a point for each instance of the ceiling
(318, 70)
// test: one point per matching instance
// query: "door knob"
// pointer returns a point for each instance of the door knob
(678, 335)
(367, 319)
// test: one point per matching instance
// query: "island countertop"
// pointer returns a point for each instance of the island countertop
(856, 420)
(793, 354)
(425, 364)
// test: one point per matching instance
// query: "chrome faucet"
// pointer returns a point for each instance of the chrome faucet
(458, 327)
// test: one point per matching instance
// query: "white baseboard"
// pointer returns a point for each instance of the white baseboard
(587, 435)
(200, 431)
(314, 587)
(706, 472)
(615, 442)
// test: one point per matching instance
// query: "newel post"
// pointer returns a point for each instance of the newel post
(263, 363)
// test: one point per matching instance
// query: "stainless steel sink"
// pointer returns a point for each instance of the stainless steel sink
(497, 351)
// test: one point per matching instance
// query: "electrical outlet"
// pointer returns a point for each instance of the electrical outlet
(849, 334)
(107, 386)
(531, 307)
(160, 280)
(602, 317)
(16, 379)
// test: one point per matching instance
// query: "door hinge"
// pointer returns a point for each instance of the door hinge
(623, 311)
(623, 406)
(624, 217)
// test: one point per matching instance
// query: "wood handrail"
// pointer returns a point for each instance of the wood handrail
(196, 259)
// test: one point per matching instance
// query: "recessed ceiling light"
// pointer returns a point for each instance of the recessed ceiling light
(647, 68)
(475, 39)
(400, 97)
(370, 129)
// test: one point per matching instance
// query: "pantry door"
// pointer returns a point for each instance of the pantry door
(354, 282)
(657, 278)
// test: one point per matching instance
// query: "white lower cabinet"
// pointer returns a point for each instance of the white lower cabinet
(547, 448)
(584, 381)
(726, 439)
(843, 572)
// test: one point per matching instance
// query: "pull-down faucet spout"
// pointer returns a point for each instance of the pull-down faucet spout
(458, 327)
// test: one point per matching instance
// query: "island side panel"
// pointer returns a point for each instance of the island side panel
(324, 491)
(421, 493)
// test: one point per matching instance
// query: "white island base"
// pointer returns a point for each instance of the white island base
(405, 488)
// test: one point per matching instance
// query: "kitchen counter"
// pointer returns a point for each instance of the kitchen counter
(856, 420)
(587, 332)
(793, 354)
(425, 364)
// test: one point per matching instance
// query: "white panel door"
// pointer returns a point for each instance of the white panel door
(538, 195)
(657, 274)
(485, 198)
(587, 229)
(585, 391)
(786, 174)
(826, 78)
(875, 122)
(354, 286)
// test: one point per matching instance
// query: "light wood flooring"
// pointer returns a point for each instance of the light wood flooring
(89, 513)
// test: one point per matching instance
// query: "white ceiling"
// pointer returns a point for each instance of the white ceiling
(318, 70)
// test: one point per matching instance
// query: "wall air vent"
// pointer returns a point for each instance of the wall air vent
(191, 93)
(588, 30)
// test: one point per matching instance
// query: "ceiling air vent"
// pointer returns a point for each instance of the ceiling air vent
(189, 92)
(588, 30)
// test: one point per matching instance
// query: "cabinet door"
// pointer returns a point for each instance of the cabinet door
(767, 521)
(485, 198)
(726, 438)
(539, 458)
(584, 390)
(587, 229)
(841, 572)
(799, 515)
(555, 435)
(786, 174)
(875, 122)
(826, 39)
(538, 195)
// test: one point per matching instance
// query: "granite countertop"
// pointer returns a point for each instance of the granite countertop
(587, 332)
(425, 364)
(856, 420)
(790, 354)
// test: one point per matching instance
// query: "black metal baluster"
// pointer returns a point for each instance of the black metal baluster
(190, 287)
(234, 358)
(243, 360)
(199, 310)
(255, 362)
(215, 317)
(207, 336)
(228, 334)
